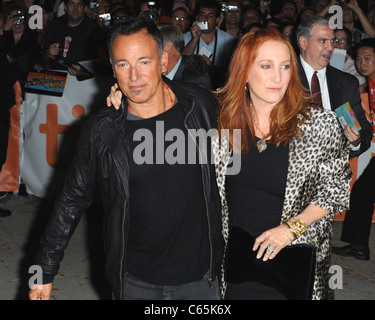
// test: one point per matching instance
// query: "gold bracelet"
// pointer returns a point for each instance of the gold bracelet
(288, 231)
(296, 226)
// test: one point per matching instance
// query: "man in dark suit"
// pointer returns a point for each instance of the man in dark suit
(315, 40)
(180, 67)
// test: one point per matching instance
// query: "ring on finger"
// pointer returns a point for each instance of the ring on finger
(270, 249)
(117, 90)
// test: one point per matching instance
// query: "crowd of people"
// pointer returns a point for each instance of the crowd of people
(261, 67)
(74, 31)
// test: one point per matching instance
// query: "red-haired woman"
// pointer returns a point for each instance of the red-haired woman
(294, 174)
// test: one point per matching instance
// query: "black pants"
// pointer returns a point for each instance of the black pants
(4, 135)
(357, 224)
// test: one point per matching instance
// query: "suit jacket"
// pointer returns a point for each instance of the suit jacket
(318, 173)
(344, 87)
(185, 73)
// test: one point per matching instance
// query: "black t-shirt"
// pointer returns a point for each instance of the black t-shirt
(168, 240)
(256, 195)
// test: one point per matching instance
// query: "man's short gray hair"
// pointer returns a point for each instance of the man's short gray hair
(305, 27)
(172, 33)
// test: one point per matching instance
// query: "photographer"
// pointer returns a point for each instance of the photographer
(232, 19)
(100, 11)
(150, 9)
(20, 43)
(215, 45)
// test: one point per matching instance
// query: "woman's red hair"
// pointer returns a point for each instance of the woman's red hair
(234, 97)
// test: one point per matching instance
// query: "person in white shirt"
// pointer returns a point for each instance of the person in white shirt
(343, 41)
(215, 45)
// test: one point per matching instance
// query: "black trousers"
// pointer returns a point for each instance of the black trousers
(357, 224)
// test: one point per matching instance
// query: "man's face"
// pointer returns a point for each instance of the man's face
(180, 19)
(365, 62)
(341, 40)
(318, 50)
(209, 15)
(289, 11)
(233, 17)
(75, 10)
(17, 28)
(250, 16)
(137, 67)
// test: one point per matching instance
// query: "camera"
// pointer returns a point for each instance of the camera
(105, 16)
(226, 8)
(19, 18)
(151, 14)
(94, 5)
(203, 25)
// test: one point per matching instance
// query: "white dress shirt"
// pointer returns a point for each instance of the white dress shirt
(309, 71)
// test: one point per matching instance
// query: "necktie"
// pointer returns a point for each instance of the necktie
(315, 90)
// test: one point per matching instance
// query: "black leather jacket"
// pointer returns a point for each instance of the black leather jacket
(102, 161)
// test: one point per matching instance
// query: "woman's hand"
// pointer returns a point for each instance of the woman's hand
(272, 241)
(9, 22)
(114, 98)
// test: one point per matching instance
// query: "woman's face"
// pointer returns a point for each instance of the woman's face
(269, 76)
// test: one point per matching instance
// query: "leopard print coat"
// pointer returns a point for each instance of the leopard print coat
(318, 173)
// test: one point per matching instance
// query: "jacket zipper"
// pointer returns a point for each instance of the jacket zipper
(209, 279)
(122, 256)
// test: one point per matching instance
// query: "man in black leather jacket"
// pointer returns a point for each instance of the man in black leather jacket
(162, 217)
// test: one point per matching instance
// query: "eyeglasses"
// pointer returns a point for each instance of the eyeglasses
(206, 15)
(182, 19)
(339, 41)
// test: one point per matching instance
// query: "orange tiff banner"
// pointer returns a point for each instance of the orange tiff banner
(9, 172)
